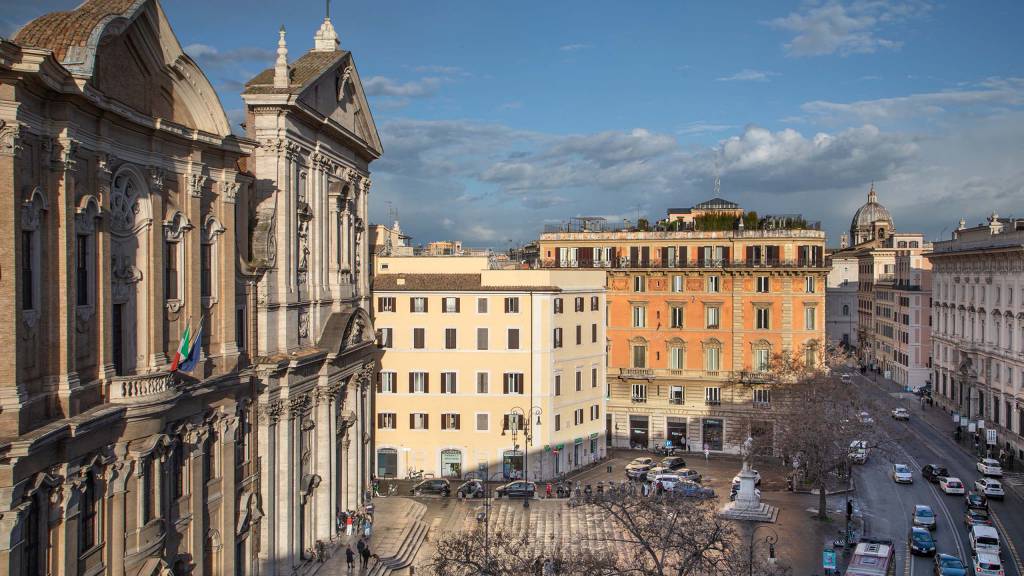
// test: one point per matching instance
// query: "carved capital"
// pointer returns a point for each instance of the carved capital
(10, 138)
(270, 413)
(299, 405)
(196, 182)
(156, 178)
(229, 190)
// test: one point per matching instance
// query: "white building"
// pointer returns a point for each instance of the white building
(841, 300)
(978, 327)
(315, 352)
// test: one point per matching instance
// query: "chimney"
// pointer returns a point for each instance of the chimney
(281, 66)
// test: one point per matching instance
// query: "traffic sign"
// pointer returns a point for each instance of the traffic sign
(956, 417)
(981, 424)
(990, 436)
(963, 420)
(828, 559)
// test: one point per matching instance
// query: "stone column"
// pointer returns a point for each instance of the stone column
(196, 437)
(323, 465)
(70, 508)
(266, 431)
(116, 512)
(286, 477)
(229, 491)
(62, 248)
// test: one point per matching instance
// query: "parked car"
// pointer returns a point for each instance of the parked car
(846, 379)
(638, 461)
(932, 472)
(517, 489)
(901, 474)
(988, 565)
(976, 500)
(655, 470)
(990, 467)
(951, 485)
(924, 517)
(858, 451)
(673, 462)
(920, 541)
(432, 486)
(976, 517)
(636, 471)
(667, 480)
(990, 488)
(692, 490)
(865, 418)
(901, 414)
(757, 478)
(949, 565)
(473, 488)
(736, 490)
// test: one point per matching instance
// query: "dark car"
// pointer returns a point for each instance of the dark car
(932, 472)
(920, 541)
(976, 517)
(432, 486)
(517, 489)
(473, 488)
(691, 490)
(949, 565)
(673, 463)
(976, 500)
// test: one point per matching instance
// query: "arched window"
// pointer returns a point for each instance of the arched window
(208, 260)
(677, 354)
(130, 221)
(762, 356)
(32, 212)
(85, 254)
(846, 309)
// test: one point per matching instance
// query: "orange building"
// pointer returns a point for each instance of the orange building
(693, 320)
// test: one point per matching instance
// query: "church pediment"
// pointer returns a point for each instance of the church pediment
(338, 94)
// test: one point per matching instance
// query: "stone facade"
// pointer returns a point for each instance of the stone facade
(124, 199)
(315, 351)
(841, 300)
(978, 328)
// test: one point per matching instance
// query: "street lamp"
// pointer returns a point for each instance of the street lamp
(771, 540)
(521, 416)
(487, 520)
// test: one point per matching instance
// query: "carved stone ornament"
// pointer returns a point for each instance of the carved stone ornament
(303, 323)
(299, 405)
(270, 413)
(10, 138)
(127, 210)
(176, 226)
(230, 191)
(196, 182)
(365, 374)
(156, 178)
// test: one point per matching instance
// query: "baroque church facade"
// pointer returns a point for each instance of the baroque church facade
(134, 213)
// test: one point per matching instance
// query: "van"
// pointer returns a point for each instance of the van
(858, 451)
(984, 539)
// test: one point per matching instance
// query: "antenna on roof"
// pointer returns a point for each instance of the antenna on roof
(328, 8)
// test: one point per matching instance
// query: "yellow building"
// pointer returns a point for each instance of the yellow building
(476, 361)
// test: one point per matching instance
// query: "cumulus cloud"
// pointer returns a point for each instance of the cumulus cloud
(748, 75)
(845, 28)
(207, 54)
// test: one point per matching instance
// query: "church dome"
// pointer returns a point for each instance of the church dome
(869, 217)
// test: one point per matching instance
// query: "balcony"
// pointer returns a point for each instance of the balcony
(639, 399)
(676, 401)
(142, 388)
(758, 377)
(709, 402)
(637, 373)
(651, 374)
(627, 264)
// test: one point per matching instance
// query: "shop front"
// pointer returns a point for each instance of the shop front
(387, 463)
(451, 463)
(639, 431)
(593, 445)
(713, 434)
(577, 452)
(675, 431)
(512, 464)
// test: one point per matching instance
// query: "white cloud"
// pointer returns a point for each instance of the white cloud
(997, 92)
(845, 28)
(382, 86)
(575, 47)
(748, 75)
(702, 127)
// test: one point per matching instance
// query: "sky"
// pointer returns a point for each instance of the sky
(498, 118)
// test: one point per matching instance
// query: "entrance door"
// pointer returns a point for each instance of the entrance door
(576, 449)
(638, 432)
(512, 464)
(675, 431)
(608, 430)
(713, 433)
(117, 333)
(387, 463)
(451, 464)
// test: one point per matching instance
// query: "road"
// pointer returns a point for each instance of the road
(887, 506)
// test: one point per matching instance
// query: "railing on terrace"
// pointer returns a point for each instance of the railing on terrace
(141, 388)
(626, 263)
(652, 373)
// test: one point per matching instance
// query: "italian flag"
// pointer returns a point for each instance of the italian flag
(183, 348)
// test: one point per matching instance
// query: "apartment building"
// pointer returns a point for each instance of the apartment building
(694, 319)
(841, 299)
(483, 366)
(978, 327)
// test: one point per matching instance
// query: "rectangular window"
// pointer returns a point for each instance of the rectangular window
(712, 315)
(676, 395)
(513, 338)
(677, 283)
(577, 416)
(513, 383)
(419, 338)
(809, 284)
(388, 382)
(558, 384)
(418, 304)
(419, 421)
(677, 358)
(386, 304)
(763, 284)
(147, 490)
(557, 338)
(809, 317)
(558, 422)
(205, 270)
(595, 303)
(482, 382)
(385, 337)
(579, 381)
(450, 305)
(171, 270)
(419, 383)
(639, 393)
(713, 396)
(763, 318)
(450, 421)
(387, 421)
(712, 359)
(579, 304)
(639, 316)
(558, 305)
(639, 284)
(481, 338)
(579, 334)
(448, 383)
(676, 316)
(82, 270)
(240, 317)
(714, 284)
(512, 305)
(639, 356)
(595, 412)
(483, 422)
(450, 339)
(762, 396)
(761, 359)
(593, 377)
(481, 308)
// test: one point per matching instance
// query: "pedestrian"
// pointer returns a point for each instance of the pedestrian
(364, 556)
(647, 489)
(707, 453)
(350, 559)
(348, 524)
(547, 490)
(549, 568)
(368, 529)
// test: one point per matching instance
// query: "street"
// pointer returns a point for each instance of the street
(887, 506)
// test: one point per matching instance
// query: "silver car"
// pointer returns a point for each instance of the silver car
(688, 474)
(924, 517)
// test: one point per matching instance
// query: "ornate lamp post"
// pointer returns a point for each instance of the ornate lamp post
(527, 432)
(771, 540)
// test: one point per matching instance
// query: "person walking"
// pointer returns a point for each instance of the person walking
(350, 559)
(364, 556)
(547, 490)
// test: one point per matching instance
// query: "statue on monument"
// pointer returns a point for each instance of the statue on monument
(747, 450)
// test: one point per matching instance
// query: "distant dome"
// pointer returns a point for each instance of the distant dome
(869, 218)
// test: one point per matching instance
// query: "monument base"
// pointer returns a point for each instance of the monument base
(759, 512)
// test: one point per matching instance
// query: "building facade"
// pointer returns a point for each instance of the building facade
(841, 300)
(309, 250)
(978, 328)
(477, 360)
(694, 321)
(126, 206)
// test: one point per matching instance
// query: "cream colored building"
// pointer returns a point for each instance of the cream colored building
(467, 348)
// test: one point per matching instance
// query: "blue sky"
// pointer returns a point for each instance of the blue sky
(497, 118)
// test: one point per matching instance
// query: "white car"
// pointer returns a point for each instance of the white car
(668, 481)
(846, 379)
(951, 485)
(901, 414)
(901, 474)
(986, 564)
(990, 488)
(757, 478)
(866, 418)
(990, 467)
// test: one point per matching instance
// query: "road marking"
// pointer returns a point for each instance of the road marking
(908, 567)
(1009, 543)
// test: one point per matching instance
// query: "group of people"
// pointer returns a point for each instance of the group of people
(363, 550)
(356, 521)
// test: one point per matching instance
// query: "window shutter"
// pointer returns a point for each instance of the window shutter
(558, 264)
(634, 256)
(504, 422)
(426, 382)
(506, 305)
(681, 256)
(645, 256)
(380, 385)
(412, 304)
(426, 304)
(412, 421)
(412, 387)
(664, 256)
(458, 422)
(458, 304)
(522, 385)
(504, 383)
(426, 421)
(451, 384)
(380, 420)
(725, 255)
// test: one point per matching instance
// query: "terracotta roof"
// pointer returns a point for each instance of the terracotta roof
(447, 283)
(301, 72)
(59, 31)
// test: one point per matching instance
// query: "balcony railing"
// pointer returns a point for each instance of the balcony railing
(676, 401)
(708, 402)
(639, 399)
(142, 388)
(653, 373)
(647, 373)
(757, 377)
(626, 263)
